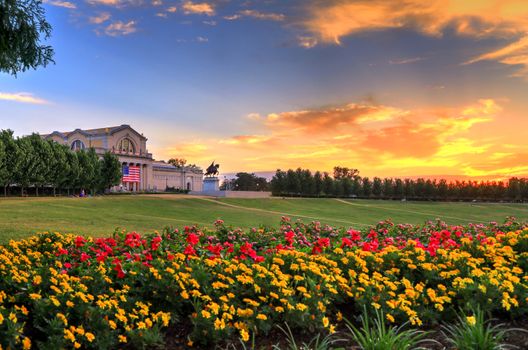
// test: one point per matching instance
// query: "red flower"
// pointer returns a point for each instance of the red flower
(85, 257)
(189, 250)
(345, 242)
(79, 241)
(354, 235)
(192, 239)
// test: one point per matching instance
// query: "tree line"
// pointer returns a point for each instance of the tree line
(31, 163)
(245, 182)
(346, 182)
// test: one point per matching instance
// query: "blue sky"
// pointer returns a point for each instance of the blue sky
(403, 88)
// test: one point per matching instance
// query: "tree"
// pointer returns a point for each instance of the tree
(328, 184)
(72, 171)
(4, 172)
(278, 183)
(343, 172)
(93, 160)
(178, 162)
(60, 167)
(42, 156)
(367, 187)
(110, 174)
(376, 187)
(248, 182)
(318, 183)
(27, 165)
(22, 29)
(11, 160)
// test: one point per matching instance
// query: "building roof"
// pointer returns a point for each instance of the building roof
(95, 132)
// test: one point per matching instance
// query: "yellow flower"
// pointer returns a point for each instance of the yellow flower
(326, 322)
(244, 335)
(89, 336)
(262, 317)
(26, 343)
(471, 320)
(35, 296)
(206, 314)
(390, 318)
(122, 339)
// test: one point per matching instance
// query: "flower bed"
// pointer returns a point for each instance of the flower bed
(67, 291)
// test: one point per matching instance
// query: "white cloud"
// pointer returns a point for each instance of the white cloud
(22, 97)
(119, 28)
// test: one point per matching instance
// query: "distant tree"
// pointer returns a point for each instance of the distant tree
(95, 180)
(328, 184)
(347, 186)
(343, 172)
(178, 162)
(59, 166)
(28, 164)
(22, 29)
(318, 183)
(357, 187)
(398, 188)
(11, 160)
(293, 182)
(367, 187)
(388, 188)
(110, 173)
(278, 183)
(248, 182)
(72, 170)
(42, 156)
(377, 187)
(4, 172)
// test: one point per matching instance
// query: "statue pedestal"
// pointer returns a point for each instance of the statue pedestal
(211, 184)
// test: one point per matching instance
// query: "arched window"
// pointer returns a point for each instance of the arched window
(126, 145)
(77, 145)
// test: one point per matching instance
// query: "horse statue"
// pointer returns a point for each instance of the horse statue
(212, 170)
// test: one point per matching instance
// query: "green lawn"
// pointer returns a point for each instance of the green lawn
(100, 216)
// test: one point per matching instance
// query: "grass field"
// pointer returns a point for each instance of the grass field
(20, 217)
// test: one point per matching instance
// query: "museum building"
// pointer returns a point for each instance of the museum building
(131, 148)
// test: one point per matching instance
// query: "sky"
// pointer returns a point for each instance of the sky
(393, 88)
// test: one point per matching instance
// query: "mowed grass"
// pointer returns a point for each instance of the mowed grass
(100, 216)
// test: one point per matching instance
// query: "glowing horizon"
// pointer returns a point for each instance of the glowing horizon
(395, 89)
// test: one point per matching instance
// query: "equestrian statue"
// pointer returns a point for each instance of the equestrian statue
(212, 170)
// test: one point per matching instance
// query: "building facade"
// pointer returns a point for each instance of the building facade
(131, 148)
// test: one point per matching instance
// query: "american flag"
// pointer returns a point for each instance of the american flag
(130, 173)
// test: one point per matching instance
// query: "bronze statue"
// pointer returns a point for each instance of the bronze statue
(212, 170)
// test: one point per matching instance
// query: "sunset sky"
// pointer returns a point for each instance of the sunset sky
(394, 88)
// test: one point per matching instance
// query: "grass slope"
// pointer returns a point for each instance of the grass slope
(101, 215)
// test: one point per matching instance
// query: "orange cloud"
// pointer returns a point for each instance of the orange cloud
(202, 8)
(330, 21)
(101, 18)
(379, 139)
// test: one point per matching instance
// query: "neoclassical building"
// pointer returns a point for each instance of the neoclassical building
(131, 148)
